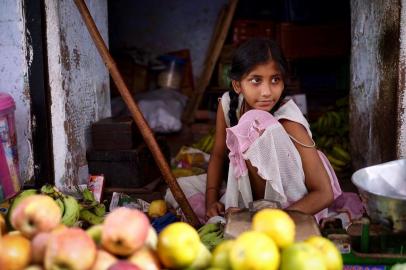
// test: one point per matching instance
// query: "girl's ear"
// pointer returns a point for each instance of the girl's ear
(236, 86)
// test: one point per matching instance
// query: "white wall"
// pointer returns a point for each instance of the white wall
(79, 85)
(13, 77)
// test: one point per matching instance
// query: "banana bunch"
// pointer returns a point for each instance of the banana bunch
(211, 234)
(331, 133)
(206, 143)
(68, 204)
(91, 211)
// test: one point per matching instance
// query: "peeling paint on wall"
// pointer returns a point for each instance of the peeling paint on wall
(374, 80)
(79, 85)
(15, 59)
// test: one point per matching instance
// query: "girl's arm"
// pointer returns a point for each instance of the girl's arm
(320, 194)
(215, 169)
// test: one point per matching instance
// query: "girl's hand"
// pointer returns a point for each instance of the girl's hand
(215, 209)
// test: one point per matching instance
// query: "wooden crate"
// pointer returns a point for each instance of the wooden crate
(131, 168)
(246, 29)
(115, 134)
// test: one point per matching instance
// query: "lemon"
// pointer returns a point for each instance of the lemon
(254, 250)
(178, 245)
(157, 208)
(332, 257)
(277, 224)
(221, 255)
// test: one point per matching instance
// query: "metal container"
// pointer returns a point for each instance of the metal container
(383, 191)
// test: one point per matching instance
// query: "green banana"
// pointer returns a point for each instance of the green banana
(51, 191)
(61, 205)
(336, 162)
(99, 210)
(90, 217)
(208, 228)
(340, 153)
(212, 239)
(72, 210)
(95, 233)
(88, 195)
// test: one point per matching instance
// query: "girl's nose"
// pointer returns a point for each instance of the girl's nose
(266, 90)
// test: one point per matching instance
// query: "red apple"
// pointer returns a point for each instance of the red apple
(124, 231)
(38, 244)
(123, 265)
(15, 252)
(103, 260)
(34, 214)
(145, 259)
(70, 248)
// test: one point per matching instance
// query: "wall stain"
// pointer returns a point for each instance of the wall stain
(384, 114)
(76, 57)
(65, 55)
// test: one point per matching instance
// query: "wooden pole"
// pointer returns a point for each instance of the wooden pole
(146, 132)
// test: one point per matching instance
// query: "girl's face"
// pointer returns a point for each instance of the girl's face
(261, 87)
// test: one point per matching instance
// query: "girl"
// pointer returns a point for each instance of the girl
(272, 154)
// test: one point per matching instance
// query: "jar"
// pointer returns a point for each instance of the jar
(9, 179)
(172, 75)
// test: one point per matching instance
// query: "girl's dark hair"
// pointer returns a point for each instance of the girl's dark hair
(250, 54)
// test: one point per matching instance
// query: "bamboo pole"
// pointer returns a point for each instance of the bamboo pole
(145, 130)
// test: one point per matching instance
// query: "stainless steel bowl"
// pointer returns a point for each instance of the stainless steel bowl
(383, 191)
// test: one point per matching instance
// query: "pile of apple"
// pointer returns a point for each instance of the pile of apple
(126, 240)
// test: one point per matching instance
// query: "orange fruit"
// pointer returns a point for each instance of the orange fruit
(277, 224)
(157, 208)
(178, 245)
(255, 251)
(331, 255)
(221, 255)
(302, 256)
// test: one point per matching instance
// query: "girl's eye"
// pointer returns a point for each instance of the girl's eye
(255, 80)
(275, 80)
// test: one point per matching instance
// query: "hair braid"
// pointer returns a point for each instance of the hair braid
(232, 113)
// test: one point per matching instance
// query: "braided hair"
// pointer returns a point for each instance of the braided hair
(250, 54)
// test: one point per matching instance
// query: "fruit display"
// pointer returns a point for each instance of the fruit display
(331, 134)
(70, 210)
(126, 240)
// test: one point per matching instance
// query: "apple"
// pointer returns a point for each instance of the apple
(34, 214)
(146, 259)
(70, 248)
(15, 252)
(38, 244)
(103, 260)
(123, 265)
(152, 238)
(3, 226)
(124, 231)
(302, 256)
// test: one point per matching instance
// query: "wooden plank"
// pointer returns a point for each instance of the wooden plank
(219, 37)
(136, 113)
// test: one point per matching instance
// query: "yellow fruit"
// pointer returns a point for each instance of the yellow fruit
(255, 251)
(157, 208)
(277, 224)
(221, 255)
(302, 256)
(331, 255)
(178, 245)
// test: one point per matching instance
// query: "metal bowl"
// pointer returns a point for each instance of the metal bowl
(383, 191)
